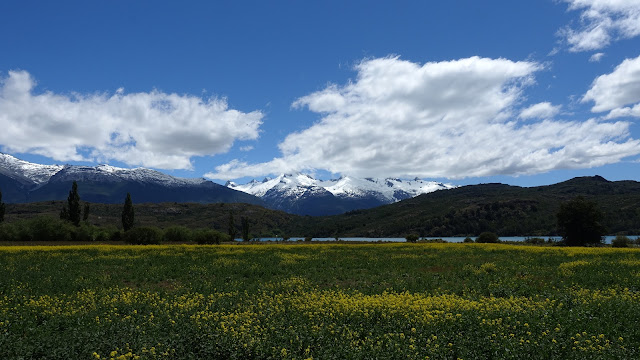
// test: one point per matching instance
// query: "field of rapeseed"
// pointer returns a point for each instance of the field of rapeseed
(320, 301)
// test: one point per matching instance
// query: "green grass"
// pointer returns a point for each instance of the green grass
(321, 301)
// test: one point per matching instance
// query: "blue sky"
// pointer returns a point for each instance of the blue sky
(519, 92)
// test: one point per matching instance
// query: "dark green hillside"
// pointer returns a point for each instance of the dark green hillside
(506, 210)
(469, 210)
(262, 222)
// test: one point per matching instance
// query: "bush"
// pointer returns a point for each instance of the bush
(621, 241)
(433, 241)
(177, 234)
(488, 237)
(209, 236)
(468, 240)
(143, 236)
(579, 222)
(308, 238)
(534, 241)
(412, 238)
(45, 229)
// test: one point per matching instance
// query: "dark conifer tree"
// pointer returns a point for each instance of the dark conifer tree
(72, 211)
(245, 228)
(232, 226)
(85, 213)
(127, 213)
(1, 208)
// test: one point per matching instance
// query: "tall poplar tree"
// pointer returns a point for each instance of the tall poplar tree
(1, 208)
(127, 213)
(72, 211)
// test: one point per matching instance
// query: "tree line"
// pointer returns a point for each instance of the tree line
(579, 222)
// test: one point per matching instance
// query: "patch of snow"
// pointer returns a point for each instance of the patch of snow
(387, 190)
(24, 170)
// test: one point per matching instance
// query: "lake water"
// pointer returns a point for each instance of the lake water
(454, 239)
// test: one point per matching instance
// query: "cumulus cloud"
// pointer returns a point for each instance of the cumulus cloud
(612, 92)
(601, 22)
(543, 110)
(451, 119)
(596, 57)
(151, 129)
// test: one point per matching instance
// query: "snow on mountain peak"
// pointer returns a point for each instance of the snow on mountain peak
(38, 174)
(387, 190)
(24, 170)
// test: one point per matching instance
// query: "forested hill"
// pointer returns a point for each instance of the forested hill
(506, 210)
(468, 210)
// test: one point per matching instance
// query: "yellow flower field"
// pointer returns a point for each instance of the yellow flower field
(319, 301)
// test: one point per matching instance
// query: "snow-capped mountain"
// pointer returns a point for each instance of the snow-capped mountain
(304, 195)
(22, 181)
(26, 172)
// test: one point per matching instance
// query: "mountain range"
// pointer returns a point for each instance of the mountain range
(22, 182)
(301, 194)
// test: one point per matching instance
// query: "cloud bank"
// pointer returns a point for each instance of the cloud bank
(451, 119)
(601, 22)
(613, 92)
(151, 129)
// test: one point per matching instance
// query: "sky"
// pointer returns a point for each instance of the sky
(520, 92)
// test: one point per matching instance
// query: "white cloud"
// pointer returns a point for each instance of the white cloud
(596, 57)
(601, 22)
(151, 129)
(450, 119)
(543, 110)
(611, 92)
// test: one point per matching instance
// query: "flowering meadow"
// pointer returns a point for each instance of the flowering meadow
(319, 301)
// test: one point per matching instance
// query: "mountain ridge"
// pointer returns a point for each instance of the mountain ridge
(301, 194)
(22, 181)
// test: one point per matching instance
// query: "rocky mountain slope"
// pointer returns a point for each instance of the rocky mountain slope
(303, 195)
(22, 181)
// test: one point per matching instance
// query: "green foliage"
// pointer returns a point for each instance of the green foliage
(433, 241)
(2, 208)
(579, 222)
(534, 240)
(143, 236)
(308, 238)
(72, 212)
(128, 214)
(177, 234)
(85, 213)
(412, 238)
(245, 228)
(621, 241)
(488, 237)
(231, 226)
(209, 236)
(468, 240)
(46, 228)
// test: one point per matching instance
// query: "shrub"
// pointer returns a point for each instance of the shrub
(433, 241)
(8, 232)
(488, 237)
(534, 240)
(209, 236)
(621, 241)
(177, 234)
(45, 229)
(143, 236)
(412, 238)
(308, 238)
(579, 222)
(468, 240)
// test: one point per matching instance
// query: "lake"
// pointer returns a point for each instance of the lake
(452, 239)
